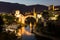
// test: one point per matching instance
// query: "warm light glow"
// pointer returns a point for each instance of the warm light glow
(54, 18)
(39, 15)
(19, 33)
(56, 15)
(22, 31)
(30, 27)
(56, 8)
(28, 33)
(3, 14)
(4, 19)
(17, 13)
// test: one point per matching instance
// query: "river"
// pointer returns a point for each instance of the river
(28, 35)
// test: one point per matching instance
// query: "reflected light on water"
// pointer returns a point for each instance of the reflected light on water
(27, 33)
(23, 31)
(18, 33)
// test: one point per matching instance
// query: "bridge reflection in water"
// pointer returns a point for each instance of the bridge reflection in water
(26, 34)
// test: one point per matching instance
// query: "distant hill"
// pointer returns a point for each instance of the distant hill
(37, 7)
(10, 7)
(58, 6)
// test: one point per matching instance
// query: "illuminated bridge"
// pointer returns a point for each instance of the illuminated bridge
(22, 19)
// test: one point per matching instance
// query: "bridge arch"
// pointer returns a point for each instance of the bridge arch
(29, 16)
(31, 22)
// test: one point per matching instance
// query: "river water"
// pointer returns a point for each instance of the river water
(28, 35)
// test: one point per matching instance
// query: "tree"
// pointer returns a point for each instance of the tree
(45, 14)
(9, 18)
(1, 24)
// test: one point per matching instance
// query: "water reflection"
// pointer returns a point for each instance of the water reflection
(27, 35)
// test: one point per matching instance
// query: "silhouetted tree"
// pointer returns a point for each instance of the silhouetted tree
(1, 24)
(51, 26)
(45, 15)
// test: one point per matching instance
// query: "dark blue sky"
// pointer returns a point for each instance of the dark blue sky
(32, 2)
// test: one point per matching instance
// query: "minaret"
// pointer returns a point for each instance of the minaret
(34, 12)
(51, 7)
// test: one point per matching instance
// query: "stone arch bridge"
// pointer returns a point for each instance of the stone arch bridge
(22, 19)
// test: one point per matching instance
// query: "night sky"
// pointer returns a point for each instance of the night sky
(33, 2)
